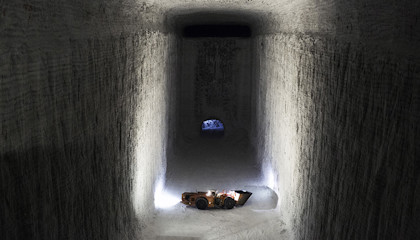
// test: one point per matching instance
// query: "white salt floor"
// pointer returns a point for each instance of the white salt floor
(223, 164)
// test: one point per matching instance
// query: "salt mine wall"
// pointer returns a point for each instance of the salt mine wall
(91, 100)
(337, 118)
(83, 118)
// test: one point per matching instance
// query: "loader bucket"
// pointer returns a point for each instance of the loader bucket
(243, 197)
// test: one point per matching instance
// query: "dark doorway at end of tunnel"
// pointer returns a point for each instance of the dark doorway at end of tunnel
(217, 31)
(212, 128)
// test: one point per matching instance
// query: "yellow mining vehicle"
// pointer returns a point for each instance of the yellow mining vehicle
(212, 198)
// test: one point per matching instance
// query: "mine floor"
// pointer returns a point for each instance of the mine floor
(222, 164)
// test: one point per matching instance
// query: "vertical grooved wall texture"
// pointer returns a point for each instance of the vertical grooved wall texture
(338, 118)
(73, 81)
(84, 112)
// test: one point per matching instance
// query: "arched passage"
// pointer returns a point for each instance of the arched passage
(212, 127)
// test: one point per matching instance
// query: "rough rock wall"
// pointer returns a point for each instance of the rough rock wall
(337, 114)
(152, 121)
(75, 79)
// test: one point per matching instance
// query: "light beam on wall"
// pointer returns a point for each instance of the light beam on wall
(164, 199)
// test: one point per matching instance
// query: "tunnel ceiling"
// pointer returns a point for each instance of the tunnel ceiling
(254, 5)
(264, 16)
(257, 14)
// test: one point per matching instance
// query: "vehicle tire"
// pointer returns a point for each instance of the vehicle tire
(229, 203)
(201, 203)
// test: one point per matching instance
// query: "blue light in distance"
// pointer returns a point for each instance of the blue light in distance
(212, 125)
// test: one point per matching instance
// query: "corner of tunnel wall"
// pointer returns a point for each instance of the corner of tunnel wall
(152, 118)
(278, 121)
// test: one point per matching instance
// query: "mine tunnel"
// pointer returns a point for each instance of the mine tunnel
(110, 110)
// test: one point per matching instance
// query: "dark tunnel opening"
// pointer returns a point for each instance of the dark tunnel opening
(196, 31)
(215, 72)
(215, 77)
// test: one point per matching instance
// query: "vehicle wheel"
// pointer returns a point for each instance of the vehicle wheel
(201, 203)
(229, 203)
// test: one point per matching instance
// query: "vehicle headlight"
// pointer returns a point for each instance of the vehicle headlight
(237, 196)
